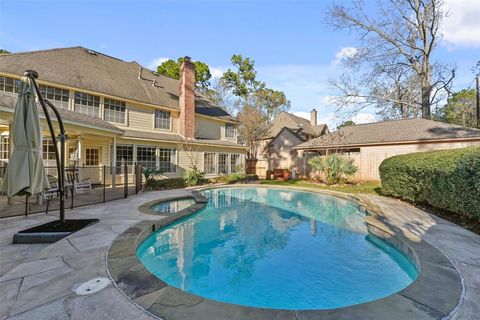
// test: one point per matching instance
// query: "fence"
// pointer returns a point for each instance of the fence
(85, 185)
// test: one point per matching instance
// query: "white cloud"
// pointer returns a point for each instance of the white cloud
(156, 62)
(360, 118)
(461, 26)
(216, 72)
(344, 53)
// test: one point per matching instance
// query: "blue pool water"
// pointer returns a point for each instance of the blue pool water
(275, 248)
(174, 206)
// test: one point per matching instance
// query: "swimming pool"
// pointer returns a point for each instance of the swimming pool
(173, 206)
(279, 249)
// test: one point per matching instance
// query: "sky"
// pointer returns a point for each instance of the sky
(293, 48)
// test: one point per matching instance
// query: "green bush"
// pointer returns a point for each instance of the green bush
(335, 168)
(164, 184)
(193, 177)
(446, 179)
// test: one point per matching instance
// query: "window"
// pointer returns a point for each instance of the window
(48, 150)
(162, 119)
(91, 156)
(235, 162)
(124, 155)
(4, 147)
(58, 97)
(87, 104)
(114, 110)
(222, 163)
(166, 159)
(229, 130)
(10, 85)
(209, 163)
(146, 156)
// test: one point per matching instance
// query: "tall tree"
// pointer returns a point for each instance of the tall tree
(460, 109)
(346, 124)
(397, 40)
(272, 101)
(242, 81)
(253, 128)
(171, 68)
(220, 95)
(256, 105)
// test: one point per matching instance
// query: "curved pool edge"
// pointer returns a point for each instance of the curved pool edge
(420, 300)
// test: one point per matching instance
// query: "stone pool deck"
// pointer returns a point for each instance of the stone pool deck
(38, 281)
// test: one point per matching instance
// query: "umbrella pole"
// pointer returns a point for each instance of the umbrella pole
(59, 156)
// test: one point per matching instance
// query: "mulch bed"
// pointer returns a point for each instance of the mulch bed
(56, 226)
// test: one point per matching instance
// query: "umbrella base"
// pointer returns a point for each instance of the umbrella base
(52, 231)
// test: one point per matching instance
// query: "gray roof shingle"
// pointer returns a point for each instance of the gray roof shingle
(294, 123)
(86, 69)
(393, 131)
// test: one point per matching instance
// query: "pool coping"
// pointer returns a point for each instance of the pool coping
(433, 295)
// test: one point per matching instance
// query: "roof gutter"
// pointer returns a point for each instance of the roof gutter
(299, 147)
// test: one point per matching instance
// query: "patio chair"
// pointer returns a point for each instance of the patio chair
(77, 185)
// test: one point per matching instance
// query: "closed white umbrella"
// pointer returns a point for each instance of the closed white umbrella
(25, 172)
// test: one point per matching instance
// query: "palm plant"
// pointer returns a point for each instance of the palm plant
(150, 173)
(334, 167)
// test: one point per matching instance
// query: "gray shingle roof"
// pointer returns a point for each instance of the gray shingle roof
(173, 137)
(294, 123)
(82, 68)
(8, 102)
(203, 106)
(393, 131)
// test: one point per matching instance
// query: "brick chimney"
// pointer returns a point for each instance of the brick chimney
(186, 99)
(313, 117)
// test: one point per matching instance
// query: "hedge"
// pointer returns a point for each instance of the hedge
(446, 179)
(164, 184)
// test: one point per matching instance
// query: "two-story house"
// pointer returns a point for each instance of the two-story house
(118, 112)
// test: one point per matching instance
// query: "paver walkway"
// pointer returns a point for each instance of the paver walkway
(38, 281)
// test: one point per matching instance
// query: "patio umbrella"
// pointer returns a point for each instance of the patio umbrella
(25, 172)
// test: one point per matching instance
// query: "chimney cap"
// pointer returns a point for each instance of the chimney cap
(314, 110)
(187, 58)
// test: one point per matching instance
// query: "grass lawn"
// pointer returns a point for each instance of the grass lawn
(372, 187)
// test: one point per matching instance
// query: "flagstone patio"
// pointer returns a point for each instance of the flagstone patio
(38, 281)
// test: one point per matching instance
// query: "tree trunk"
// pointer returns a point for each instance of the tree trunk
(426, 91)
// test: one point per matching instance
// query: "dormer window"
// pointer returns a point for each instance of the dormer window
(87, 104)
(229, 130)
(59, 97)
(162, 119)
(114, 110)
(9, 84)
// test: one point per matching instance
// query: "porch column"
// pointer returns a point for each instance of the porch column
(113, 160)
(80, 151)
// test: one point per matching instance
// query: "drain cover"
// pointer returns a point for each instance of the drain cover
(92, 286)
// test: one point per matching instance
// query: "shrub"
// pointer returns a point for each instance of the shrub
(193, 177)
(164, 184)
(446, 179)
(236, 177)
(335, 168)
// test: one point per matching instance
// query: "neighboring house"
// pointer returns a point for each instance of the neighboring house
(369, 144)
(277, 149)
(118, 112)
